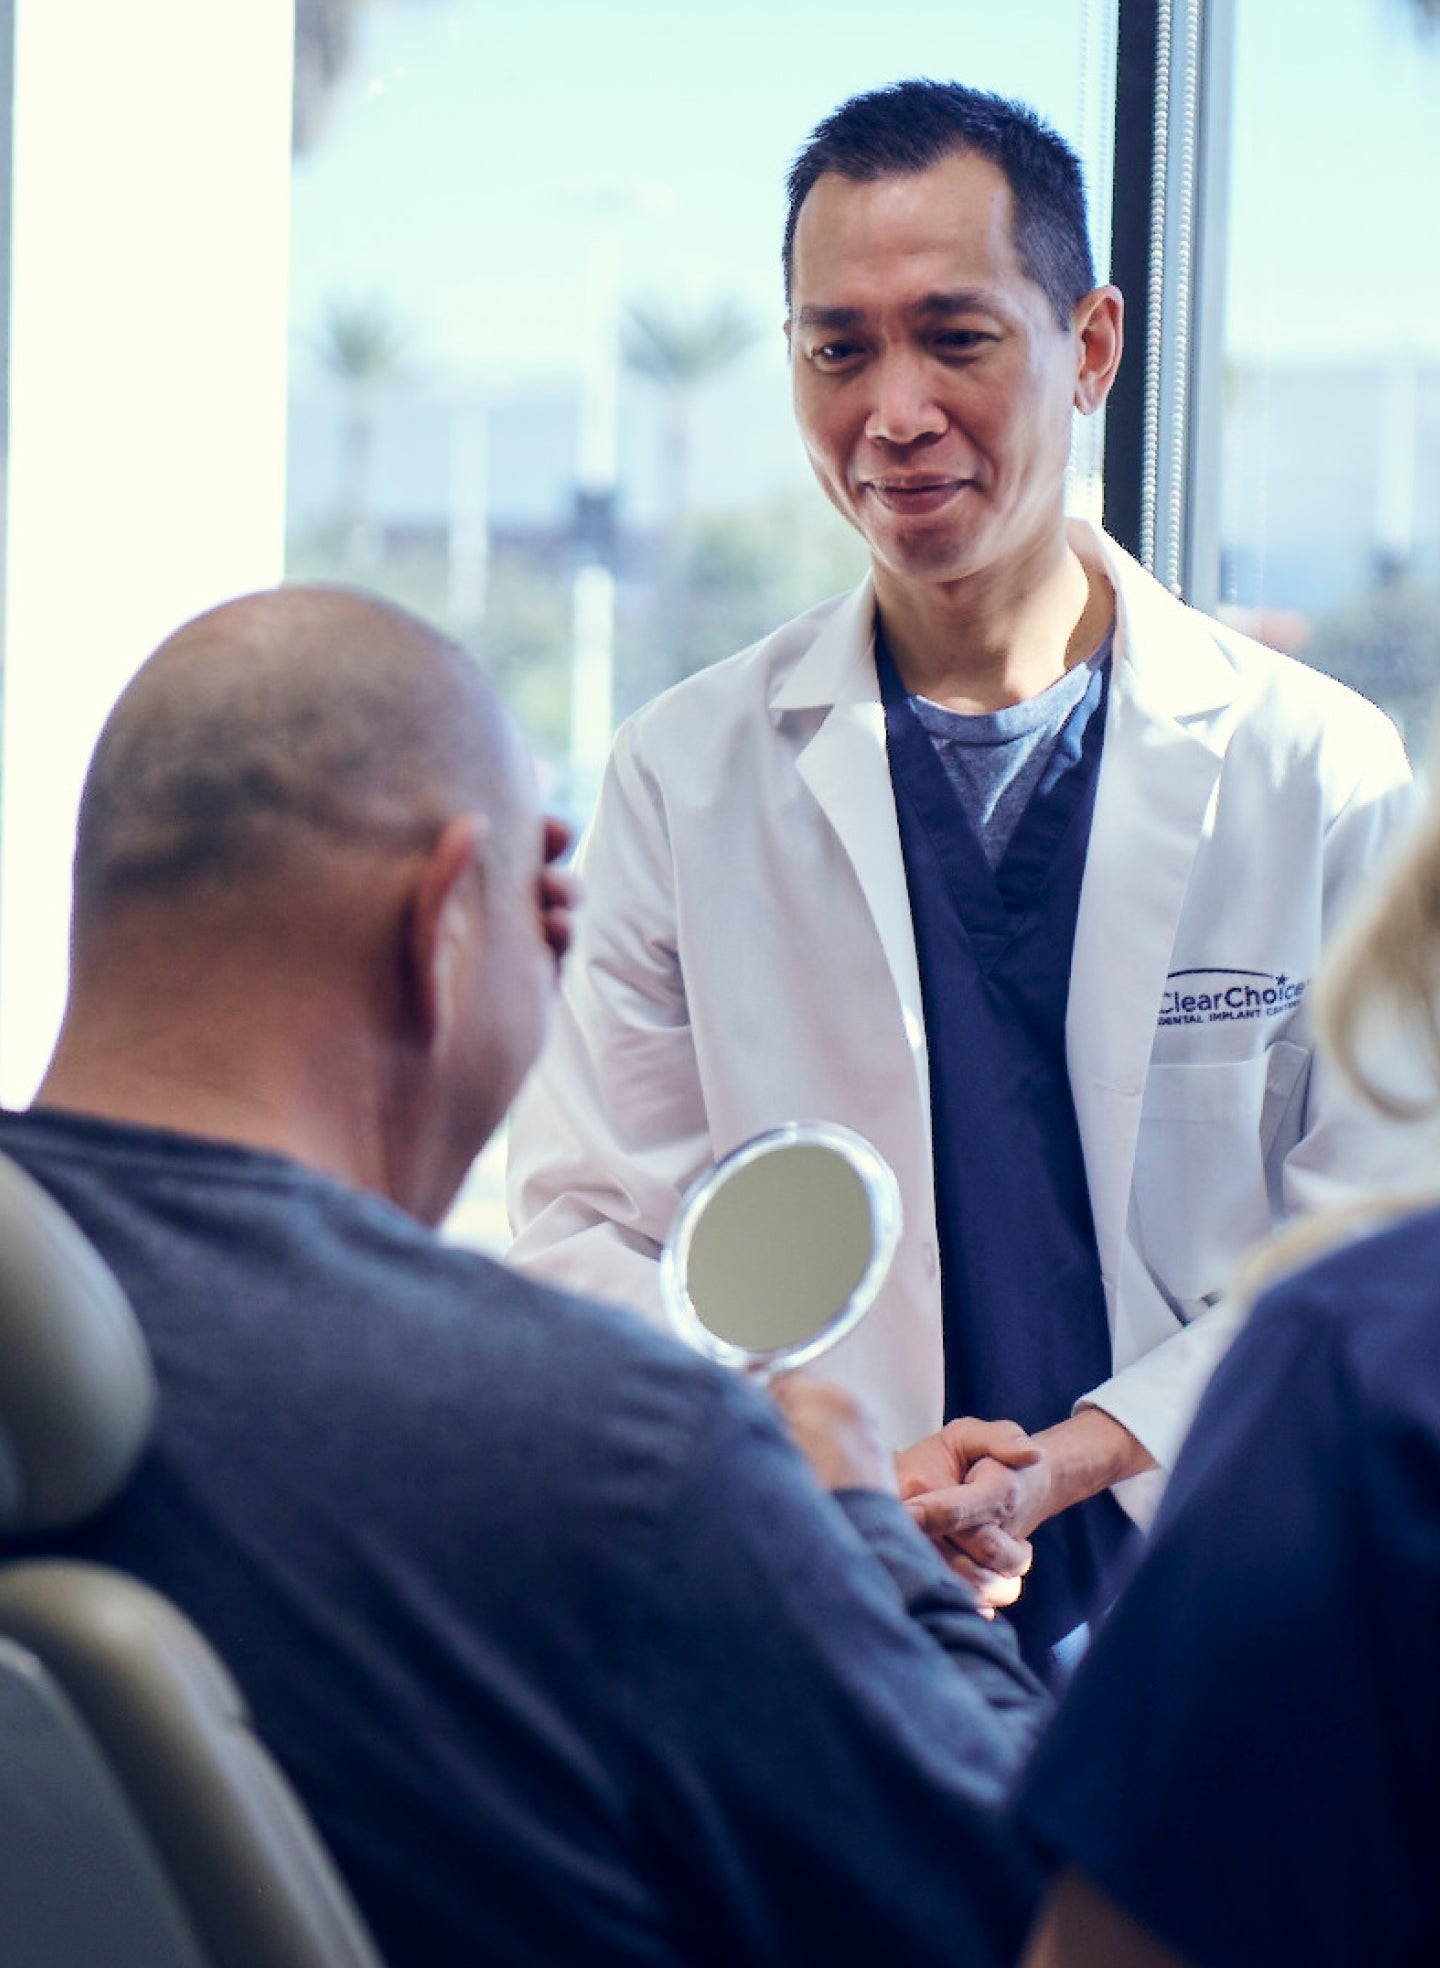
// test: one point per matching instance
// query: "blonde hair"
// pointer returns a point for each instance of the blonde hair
(1389, 962)
(1383, 974)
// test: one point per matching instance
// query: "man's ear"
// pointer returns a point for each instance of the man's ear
(1099, 329)
(441, 923)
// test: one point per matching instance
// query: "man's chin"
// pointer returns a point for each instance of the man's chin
(930, 561)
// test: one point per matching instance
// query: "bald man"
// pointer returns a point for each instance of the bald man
(570, 1656)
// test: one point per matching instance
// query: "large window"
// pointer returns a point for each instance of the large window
(539, 387)
(1330, 461)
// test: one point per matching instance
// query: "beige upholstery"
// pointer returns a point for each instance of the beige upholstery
(76, 1392)
(142, 1825)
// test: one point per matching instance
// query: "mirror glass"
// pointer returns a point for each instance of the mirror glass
(779, 1250)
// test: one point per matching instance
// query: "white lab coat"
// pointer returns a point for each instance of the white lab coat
(745, 958)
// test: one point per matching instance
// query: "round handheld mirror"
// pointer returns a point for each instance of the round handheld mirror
(781, 1248)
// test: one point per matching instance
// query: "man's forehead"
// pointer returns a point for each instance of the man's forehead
(957, 213)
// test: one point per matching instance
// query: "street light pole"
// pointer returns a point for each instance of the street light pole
(592, 643)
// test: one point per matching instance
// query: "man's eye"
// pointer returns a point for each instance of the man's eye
(960, 341)
(834, 355)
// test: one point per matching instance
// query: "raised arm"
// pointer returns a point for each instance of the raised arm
(611, 1125)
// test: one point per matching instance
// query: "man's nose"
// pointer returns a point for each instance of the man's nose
(905, 409)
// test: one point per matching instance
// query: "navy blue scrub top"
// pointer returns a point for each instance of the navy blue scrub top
(1025, 1324)
(1249, 1757)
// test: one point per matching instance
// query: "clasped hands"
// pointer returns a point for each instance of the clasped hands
(977, 1488)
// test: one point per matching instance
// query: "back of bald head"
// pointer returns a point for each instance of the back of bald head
(276, 732)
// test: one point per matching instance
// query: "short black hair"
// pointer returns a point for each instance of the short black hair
(911, 126)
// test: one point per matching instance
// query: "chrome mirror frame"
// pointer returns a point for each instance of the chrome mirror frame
(882, 1192)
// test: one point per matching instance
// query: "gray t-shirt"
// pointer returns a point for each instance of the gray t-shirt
(994, 759)
(559, 1642)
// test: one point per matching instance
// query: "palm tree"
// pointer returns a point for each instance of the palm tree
(363, 345)
(679, 353)
(324, 49)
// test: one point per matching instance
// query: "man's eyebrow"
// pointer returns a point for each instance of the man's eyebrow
(960, 300)
(831, 317)
(963, 300)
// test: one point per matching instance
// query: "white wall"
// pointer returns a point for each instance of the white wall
(147, 400)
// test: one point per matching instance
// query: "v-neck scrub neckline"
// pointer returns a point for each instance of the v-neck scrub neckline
(1026, 1330)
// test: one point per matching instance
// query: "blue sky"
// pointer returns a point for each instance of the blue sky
(467, 154)
(475, 140)
(468, 150)
(1335, 194)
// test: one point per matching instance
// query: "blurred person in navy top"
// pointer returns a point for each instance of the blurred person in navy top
(1246, 1769)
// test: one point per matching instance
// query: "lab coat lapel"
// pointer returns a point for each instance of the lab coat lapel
(846, 768)
(1172, 708)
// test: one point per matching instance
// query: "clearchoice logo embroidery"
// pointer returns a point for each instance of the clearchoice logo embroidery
(1221, 997)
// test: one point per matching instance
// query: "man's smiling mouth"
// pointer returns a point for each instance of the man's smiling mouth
(914, 495)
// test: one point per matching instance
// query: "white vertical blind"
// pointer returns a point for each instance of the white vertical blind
(147, 393)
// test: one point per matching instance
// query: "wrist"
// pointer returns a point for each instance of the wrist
(1084, 1454)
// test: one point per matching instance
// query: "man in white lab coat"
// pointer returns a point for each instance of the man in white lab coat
(1007, 860)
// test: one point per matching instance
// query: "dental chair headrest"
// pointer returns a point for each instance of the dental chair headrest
(77, 1394)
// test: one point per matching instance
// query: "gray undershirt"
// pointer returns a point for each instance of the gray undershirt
(994, 759)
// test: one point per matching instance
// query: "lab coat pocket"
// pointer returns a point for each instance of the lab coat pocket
(1200, 1186)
